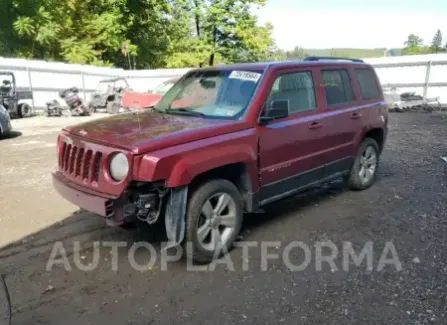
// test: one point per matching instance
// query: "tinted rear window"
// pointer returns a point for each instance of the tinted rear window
(337, 86)
(367, 83)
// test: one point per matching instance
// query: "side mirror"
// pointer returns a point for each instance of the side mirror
(279, 108)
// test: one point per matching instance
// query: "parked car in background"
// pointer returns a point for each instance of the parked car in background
(224, 141)
(136, 100)
(5, 122)
(12, 98)
(108, 95)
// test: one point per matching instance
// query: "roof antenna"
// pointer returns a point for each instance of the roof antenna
(138, 118)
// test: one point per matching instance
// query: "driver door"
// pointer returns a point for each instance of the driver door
(290, 147)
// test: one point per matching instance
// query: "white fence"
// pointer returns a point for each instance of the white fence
(424, 74)
(46, 79)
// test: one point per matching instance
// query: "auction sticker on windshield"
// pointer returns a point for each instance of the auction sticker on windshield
(245, 75)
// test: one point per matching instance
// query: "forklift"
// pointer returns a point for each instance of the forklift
(10, 96)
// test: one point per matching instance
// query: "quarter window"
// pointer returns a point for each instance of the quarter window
(367, 83)
(298, 88)
(337, 86)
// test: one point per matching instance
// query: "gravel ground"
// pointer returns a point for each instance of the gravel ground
(406, 207)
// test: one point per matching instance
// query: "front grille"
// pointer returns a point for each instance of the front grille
(79, 163)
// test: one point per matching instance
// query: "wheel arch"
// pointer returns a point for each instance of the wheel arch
(376, 134)
(236, 173)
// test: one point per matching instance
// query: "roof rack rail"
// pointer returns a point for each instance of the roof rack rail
(319, 58)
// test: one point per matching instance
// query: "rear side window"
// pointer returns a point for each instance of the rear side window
(298, 88)
(367, 82)
(337, 86)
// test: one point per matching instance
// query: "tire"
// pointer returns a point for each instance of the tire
(204, 249)
(354, 180)
(113, 108)
(91, 108)
(25, 110)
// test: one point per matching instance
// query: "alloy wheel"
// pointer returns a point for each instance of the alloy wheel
(217, 222)
(368, 164)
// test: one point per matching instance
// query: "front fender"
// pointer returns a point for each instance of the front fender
(188, 167)
(179, 165)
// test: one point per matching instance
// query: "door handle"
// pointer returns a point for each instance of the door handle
(315, 125)
(356, 115)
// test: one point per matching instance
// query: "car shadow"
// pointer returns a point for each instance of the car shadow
(281, 209)
(11, 135)
(87, 228)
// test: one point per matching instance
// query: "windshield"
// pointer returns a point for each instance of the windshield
(219, 94)
(105, 87)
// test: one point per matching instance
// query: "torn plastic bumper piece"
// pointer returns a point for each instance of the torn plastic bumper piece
(175, 216)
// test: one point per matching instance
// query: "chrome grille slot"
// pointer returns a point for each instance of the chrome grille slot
(74, 151)
(62, 155)
(67, 156)
(86, 165)
(97, 166)
(79, 162)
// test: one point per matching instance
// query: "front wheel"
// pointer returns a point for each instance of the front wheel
(24, 110)
(91, 108)
(364, 170)
(213, 220)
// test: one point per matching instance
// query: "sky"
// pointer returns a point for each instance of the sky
(353, 23)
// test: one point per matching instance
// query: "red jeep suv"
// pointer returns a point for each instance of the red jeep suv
(227, 140)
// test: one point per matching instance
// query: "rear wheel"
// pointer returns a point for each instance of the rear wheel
(364, 170)
(213, 220)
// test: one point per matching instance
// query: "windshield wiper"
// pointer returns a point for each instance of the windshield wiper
(153, 109)
(184, 111)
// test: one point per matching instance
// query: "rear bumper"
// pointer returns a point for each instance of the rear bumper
(93, 203)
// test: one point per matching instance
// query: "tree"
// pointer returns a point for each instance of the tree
(88, 31)
(217, 31)
(297, 53)
(232, 32)
(275, 54)
(413, 45)
(436, 44)
(157, 33)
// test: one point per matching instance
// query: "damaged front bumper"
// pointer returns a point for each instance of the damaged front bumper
(103, 205)
(145, 202)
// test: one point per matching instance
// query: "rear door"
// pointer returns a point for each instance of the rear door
(291, 148)
(343, 117)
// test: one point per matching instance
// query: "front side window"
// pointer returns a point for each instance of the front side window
(337, 86)
(220, 94)
(298, 88)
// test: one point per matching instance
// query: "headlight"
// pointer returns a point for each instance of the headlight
(119, 167)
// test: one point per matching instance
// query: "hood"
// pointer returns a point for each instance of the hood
(148, 131)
